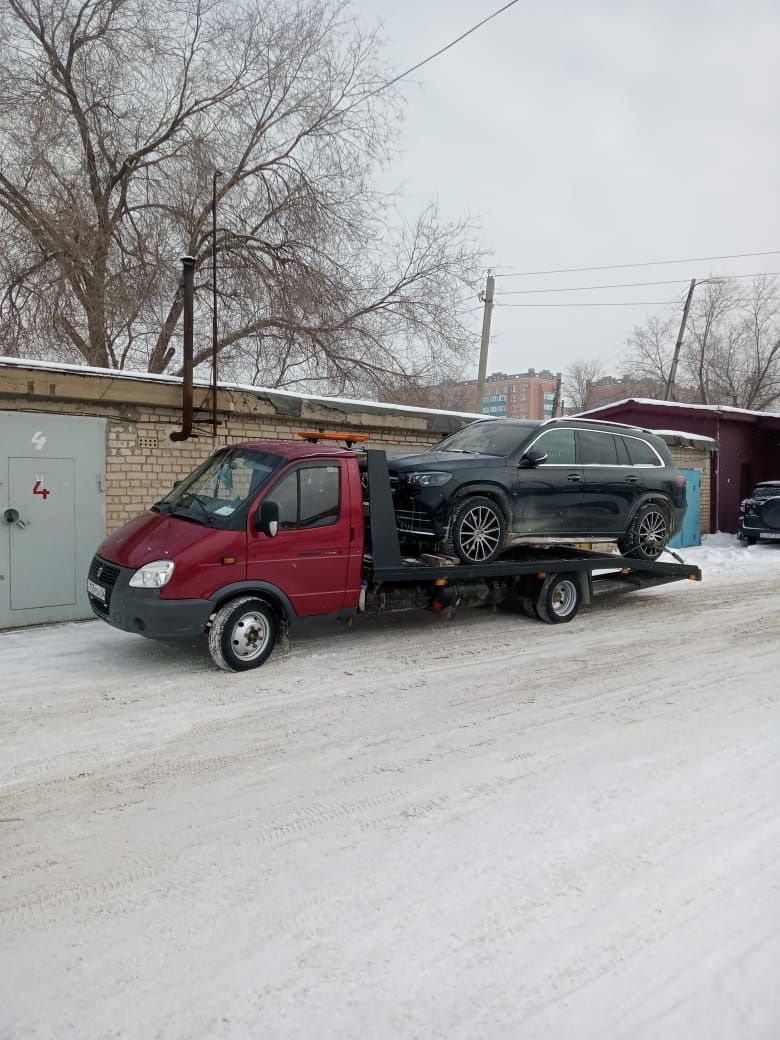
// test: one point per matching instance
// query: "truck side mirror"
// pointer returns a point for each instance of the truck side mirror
(267, 518)
(533, 457)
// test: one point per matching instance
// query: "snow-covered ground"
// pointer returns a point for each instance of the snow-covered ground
(414, 828)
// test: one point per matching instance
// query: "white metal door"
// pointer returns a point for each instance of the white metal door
(43, 538)
(52, 514)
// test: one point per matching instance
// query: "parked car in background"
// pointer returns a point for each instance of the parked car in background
(759, 514)
(498, 483)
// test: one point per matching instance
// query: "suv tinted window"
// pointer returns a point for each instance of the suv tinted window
(597, 449)
(559, 445)
(622, 451)
(308, 497)
(641, 453)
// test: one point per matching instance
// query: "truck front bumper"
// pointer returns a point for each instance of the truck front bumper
(143, 612)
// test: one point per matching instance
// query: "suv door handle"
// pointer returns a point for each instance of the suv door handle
(632, 480)
(574, 478)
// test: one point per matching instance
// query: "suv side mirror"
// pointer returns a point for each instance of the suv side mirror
(267, 518)
(533, 457)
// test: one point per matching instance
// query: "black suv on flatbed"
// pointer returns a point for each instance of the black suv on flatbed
(759, 518)
(504, 482)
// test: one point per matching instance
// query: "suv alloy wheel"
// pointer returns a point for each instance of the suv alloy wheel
(477, 531)
(647, 533)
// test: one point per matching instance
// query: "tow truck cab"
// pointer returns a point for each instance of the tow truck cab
(280, 521)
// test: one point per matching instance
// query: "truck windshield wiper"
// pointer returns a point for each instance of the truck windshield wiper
(194, 500)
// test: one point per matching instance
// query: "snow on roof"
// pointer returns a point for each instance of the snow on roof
(697, 438)
(248, 388)
(680, 404)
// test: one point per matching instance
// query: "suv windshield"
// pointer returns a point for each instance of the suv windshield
(218, 489)
(488, 438)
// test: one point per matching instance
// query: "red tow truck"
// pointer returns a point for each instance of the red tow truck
(265, 535)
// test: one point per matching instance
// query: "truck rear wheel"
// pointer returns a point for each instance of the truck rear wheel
(559, 599)
(243, 634)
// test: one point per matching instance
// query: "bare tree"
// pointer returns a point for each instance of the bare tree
(745, 369)
(649, 356)
(712, 313)
(730, 353)
(114, 114)
(577, 380)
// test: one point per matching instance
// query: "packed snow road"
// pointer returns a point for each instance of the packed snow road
(415, 828)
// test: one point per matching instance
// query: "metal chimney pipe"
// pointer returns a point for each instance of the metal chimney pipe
(188, 292)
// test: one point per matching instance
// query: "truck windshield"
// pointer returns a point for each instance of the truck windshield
(217, 491)
(488, 438)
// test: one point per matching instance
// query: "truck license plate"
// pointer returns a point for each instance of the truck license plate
(96, 590)
(767, 534)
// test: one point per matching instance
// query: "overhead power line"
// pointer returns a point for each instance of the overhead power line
(436, 54)
(624, 285)
(644, 263)
(606, 303)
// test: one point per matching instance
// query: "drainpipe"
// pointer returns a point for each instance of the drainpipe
(188, 292)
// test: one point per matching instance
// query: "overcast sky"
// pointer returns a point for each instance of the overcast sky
(579, 134)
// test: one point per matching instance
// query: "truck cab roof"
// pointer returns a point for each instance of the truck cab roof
(296, 449)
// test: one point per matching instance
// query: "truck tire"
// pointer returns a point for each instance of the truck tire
(243, 634)
(647, 533)
(559, 599)
(477, 531)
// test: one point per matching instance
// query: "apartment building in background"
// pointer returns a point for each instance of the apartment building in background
(522, 395)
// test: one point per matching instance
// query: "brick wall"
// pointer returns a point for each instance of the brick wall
(141, 460)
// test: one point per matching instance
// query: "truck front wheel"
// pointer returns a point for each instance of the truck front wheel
(243, 634)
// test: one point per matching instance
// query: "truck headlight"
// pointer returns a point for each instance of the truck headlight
(432, 479)
(152, 575)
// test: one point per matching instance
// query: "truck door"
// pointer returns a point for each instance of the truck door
(308, 559)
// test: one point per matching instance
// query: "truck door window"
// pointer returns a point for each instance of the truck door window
(308, 497)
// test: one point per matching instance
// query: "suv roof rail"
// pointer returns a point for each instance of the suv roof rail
(597, 422)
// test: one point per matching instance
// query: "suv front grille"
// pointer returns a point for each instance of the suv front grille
(414, 521)
(105, 574)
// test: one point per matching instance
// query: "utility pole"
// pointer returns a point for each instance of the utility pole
(557, 399)
(487, 299)
(217, 173)
(678, 344)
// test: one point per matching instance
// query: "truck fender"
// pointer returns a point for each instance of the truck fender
(264, 590)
